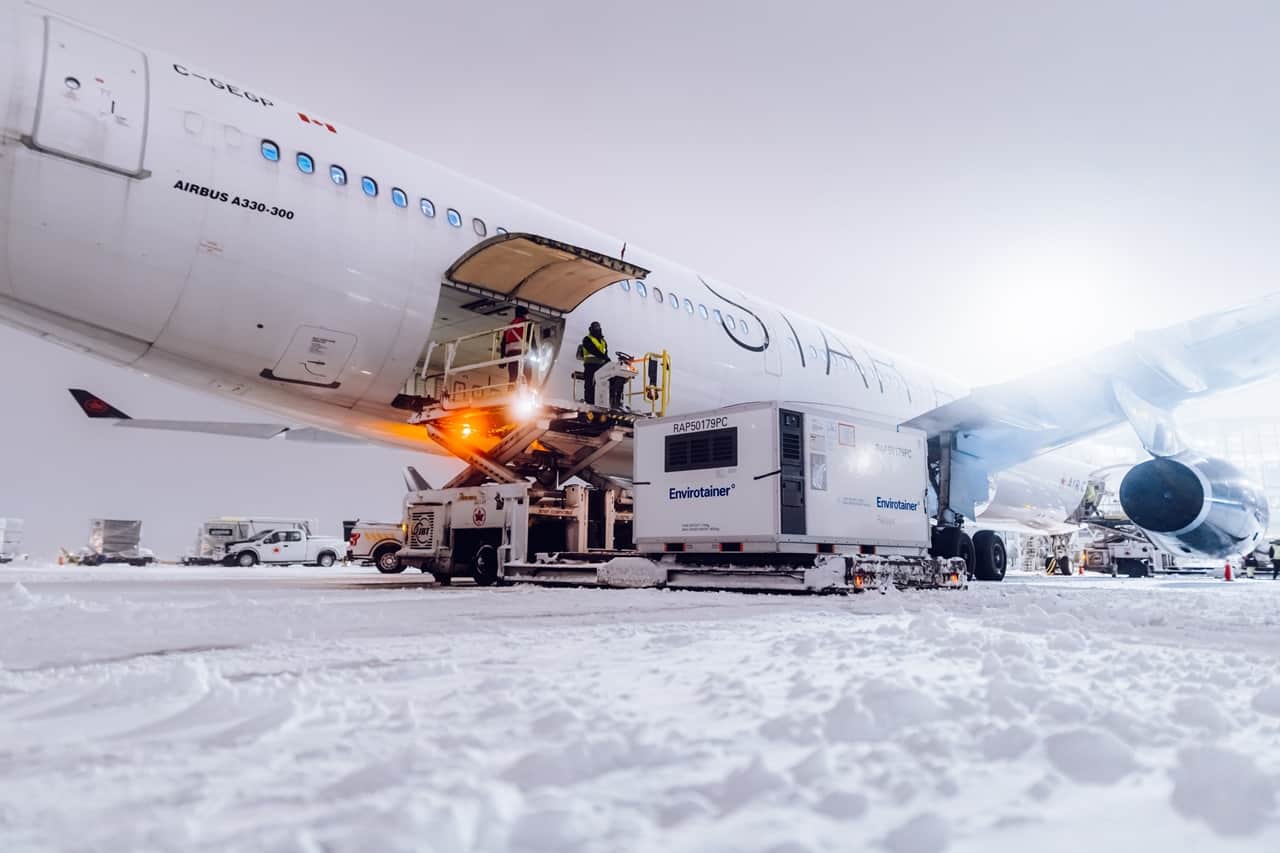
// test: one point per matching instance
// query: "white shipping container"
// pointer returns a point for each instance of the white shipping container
(10, 537)
(779, 477)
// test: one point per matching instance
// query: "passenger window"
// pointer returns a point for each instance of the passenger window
(500, 230)
(641, 290)
(270, 151)
(306, 165)
(674, 300)
(369, 185)
(742, 326)
(398, 198)
(338, 175)
(716, 313)
(813, 352)
(625, 285)
(728, 321)
(657, 294)
(455, 218)
(688, 306)
(479, 227)
(428, 209)
(702, 309)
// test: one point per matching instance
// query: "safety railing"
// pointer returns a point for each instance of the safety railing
(655, 384)
(475, 380)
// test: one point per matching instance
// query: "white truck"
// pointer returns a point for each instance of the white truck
(293, 545)
(215, 534)
(376, 542)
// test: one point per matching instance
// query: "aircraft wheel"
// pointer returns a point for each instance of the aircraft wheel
(247, 559)
(1131, 567)
(991, 557)
(484, 567)
(954, 542)
(388, 561)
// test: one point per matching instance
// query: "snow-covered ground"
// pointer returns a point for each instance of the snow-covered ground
(294, 709)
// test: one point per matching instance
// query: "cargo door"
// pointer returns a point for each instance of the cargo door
(93, 100)
(528, 269)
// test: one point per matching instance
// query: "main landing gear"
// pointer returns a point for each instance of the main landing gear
(984, 554)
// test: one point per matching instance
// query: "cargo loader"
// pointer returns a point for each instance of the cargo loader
(759, 496)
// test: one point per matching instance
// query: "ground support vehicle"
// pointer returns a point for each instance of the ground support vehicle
(115, 540)
(755, 497)
(1121, 548)
(216, 533)
(377, 543)
(10, 539)
(285, 546)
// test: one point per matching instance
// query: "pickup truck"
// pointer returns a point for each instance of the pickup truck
(378, 543)
(284, 546)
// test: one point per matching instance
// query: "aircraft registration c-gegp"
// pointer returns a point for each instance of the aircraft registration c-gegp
(166, 217)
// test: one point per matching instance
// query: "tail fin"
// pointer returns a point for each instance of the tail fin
(413, 481)
(96, 407)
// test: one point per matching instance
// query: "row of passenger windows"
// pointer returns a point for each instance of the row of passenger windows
(307, 165)
(839, 360)
(643, 291)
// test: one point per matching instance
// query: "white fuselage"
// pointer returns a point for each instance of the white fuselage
(141, 221)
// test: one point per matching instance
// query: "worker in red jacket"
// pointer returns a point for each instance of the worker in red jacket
(513, 337)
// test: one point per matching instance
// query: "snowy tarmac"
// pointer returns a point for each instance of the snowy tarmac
(303, 709)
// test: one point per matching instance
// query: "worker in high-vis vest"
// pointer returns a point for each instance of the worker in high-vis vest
(594, 352)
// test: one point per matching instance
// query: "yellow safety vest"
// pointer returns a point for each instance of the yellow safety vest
(602, 350)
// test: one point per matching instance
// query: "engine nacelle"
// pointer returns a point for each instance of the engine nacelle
(1194, 503)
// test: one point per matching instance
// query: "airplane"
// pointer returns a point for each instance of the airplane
(164, 217)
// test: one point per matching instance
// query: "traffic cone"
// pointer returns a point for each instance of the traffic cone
(1226, 572)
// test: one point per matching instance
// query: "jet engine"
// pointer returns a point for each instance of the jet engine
(1193, 503)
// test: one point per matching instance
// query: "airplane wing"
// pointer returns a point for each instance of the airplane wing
(96, 408)
(1139, 382)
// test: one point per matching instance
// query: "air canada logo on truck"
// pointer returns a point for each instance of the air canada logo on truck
(892, 503)
(700, 492)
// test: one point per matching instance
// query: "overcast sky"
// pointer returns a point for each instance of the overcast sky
(987, 187)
